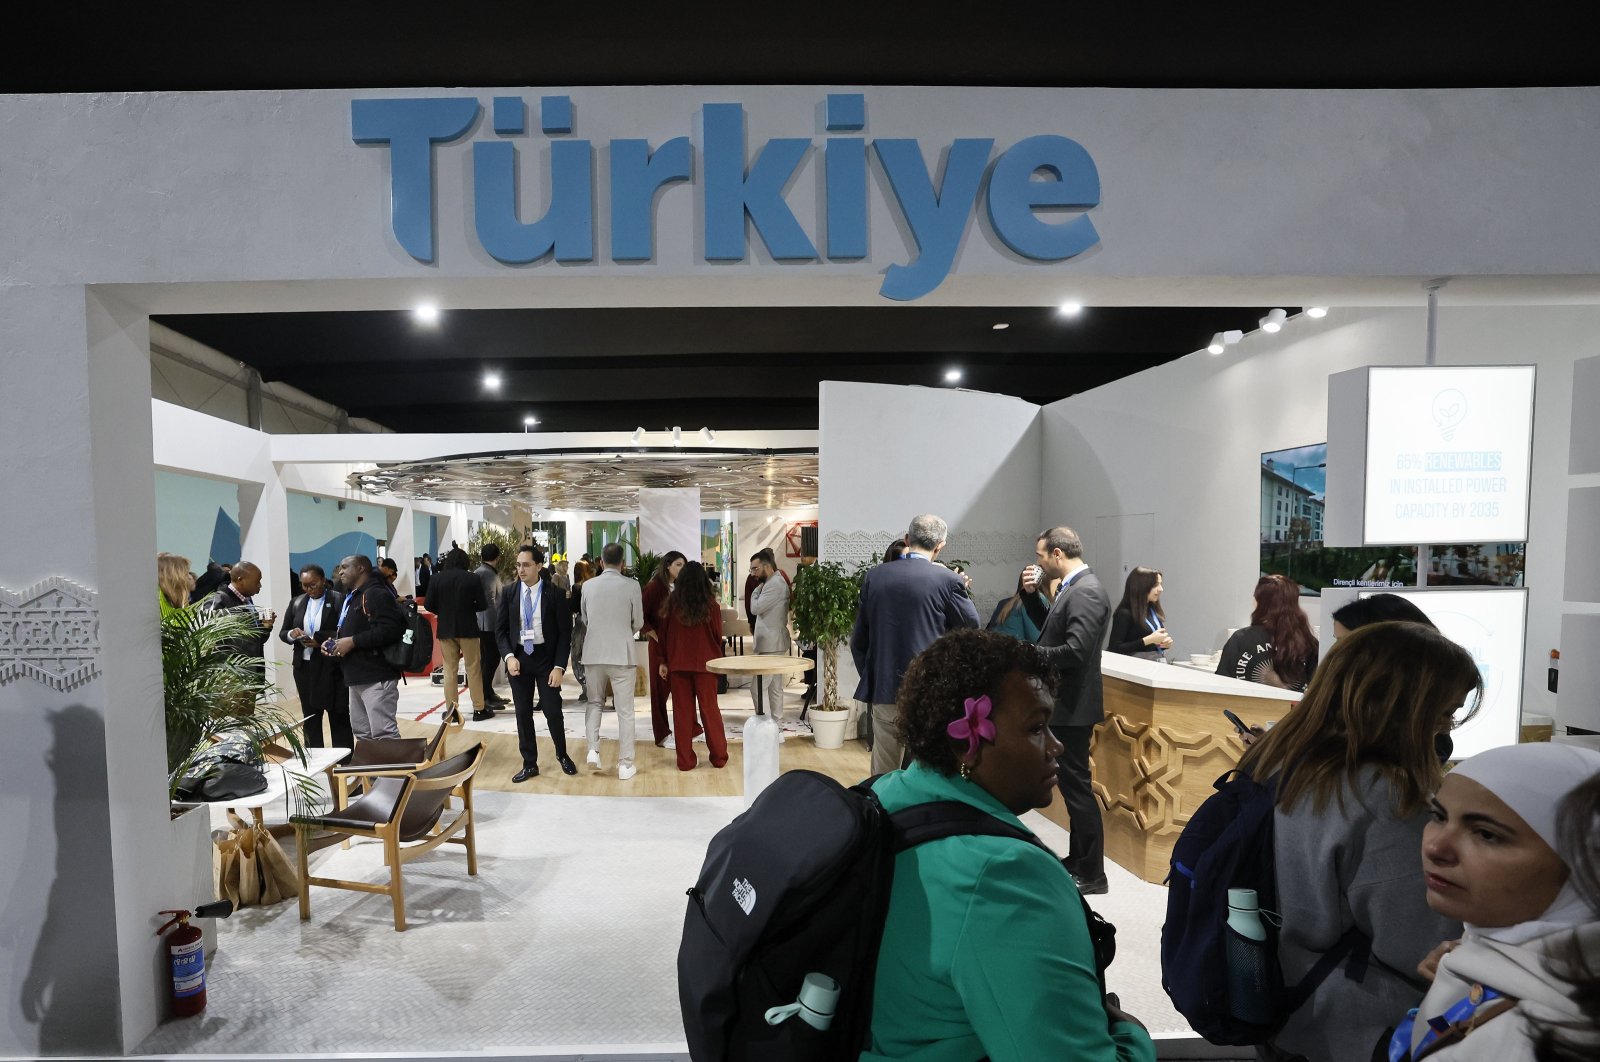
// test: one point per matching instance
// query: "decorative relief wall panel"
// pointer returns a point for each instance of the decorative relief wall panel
(50, 634)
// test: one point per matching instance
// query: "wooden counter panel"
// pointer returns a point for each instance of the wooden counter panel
(1156, 759)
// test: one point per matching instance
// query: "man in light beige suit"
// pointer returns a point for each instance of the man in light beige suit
(613, 612)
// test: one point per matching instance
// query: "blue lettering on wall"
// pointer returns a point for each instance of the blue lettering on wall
(1039, 173)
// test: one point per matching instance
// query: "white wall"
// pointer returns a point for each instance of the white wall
(890, 453)
(1182, 443)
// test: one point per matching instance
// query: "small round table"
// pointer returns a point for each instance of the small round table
(761, 734)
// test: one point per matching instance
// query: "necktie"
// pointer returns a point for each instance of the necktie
(527, 619)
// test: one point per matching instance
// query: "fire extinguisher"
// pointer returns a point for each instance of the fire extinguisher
(186, 956)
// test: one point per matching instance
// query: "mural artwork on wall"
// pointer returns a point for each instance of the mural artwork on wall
(50, 634)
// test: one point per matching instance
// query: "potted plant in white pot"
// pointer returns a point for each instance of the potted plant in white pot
(824, 601)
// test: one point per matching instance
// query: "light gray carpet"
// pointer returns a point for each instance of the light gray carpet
(565, 941)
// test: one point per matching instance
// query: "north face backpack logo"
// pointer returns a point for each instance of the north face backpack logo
(744, 894)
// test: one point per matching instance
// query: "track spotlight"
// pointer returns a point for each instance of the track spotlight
(677, 435)
(1316, 311)
(638, 436)
(707, 435)
(1216, 346)
(1273, 320)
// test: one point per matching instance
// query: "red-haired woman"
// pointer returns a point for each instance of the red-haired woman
(1278, 648)
(691, 634)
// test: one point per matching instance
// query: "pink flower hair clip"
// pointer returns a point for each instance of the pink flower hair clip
(975, 725)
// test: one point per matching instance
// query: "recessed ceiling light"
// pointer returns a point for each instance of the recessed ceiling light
(491, 381)
(952, 376)
(529, 421)
(1000, 326)
(426, 313)
(1316, 311)
(1070, 309)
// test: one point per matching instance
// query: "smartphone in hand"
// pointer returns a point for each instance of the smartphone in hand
(1238, 724)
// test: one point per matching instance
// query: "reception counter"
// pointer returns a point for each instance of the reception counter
(1162, 747)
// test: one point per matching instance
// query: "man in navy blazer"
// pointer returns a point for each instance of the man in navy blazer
(906, 605)
(1071, 631)
(534, 630)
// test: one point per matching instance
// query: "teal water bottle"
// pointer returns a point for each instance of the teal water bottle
(1249, 994)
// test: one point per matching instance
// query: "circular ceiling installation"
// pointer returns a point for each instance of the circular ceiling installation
(602, 480)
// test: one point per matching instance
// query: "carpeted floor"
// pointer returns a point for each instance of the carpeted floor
(565, 940)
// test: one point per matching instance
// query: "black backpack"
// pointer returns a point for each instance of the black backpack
(413, 653)
(800, 884)
(1228, 844)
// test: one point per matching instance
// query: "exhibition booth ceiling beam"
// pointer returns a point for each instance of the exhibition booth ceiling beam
(152, 47)
(614, 369)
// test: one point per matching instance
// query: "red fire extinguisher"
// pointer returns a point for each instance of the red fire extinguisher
(186, 956)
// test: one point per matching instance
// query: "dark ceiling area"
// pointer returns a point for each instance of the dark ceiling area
(365, 44)
(736, 368)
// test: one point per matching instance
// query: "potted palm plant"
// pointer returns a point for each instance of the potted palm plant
(211, 691)
(824, 599)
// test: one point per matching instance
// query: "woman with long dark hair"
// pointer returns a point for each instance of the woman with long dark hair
(1138, 624)
(1010, 617)
(691, 634)
(656, 592)
(580, 575)
(1278, 648)
(1354, 765)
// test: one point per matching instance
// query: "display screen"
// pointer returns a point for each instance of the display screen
(1448, 452)
(1489, 625)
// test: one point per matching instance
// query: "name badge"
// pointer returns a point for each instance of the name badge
(529, 635)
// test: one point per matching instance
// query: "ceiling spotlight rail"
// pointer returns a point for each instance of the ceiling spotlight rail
(1273, 322)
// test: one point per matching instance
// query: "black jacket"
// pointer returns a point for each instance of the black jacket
(1070, 633)
(225, 600)
(332, 601)
(557, 622)
(456, 598)
(1128, 634)
(374, 620)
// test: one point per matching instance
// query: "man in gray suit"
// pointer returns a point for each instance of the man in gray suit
(1071, 630)
(906, 605)
(770, 604)
(488, 645)
(613, 612)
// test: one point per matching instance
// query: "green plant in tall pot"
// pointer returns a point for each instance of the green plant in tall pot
(644, 563)
(824, 600)
(212, 693)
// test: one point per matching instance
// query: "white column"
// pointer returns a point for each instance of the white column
(402, 538)
(83, 810)
(264, 542)
(669, 519)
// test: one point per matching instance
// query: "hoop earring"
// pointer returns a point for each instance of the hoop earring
(965, 770)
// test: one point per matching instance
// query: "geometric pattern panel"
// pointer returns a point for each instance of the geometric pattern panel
(993, 546)
(1120, 762)
(1185, 769)
(51, 634)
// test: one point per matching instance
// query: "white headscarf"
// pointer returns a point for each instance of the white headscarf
(1533, 780)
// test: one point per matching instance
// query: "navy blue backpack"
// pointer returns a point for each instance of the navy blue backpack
(1228, 845)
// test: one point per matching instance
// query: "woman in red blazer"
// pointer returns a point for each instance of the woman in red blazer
(691, 634)
(656, 593)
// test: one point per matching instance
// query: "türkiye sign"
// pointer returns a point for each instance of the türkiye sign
(1038, 172)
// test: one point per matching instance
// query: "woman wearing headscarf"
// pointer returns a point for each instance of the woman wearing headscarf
(1492, 857)
(986, 951)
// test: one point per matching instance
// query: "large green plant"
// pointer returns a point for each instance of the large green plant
(824, 600)
(644, 563)
(211, 690)
(509, 542)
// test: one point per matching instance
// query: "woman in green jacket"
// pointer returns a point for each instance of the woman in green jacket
(986, 951)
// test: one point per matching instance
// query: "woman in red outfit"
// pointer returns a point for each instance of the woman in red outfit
(656, 593)
(691, 634)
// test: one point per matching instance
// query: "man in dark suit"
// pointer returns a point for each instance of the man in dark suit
(534, 631)
(905, 606)
(455, 597)
(239, 594)
(1071, 630)
(313, 618)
